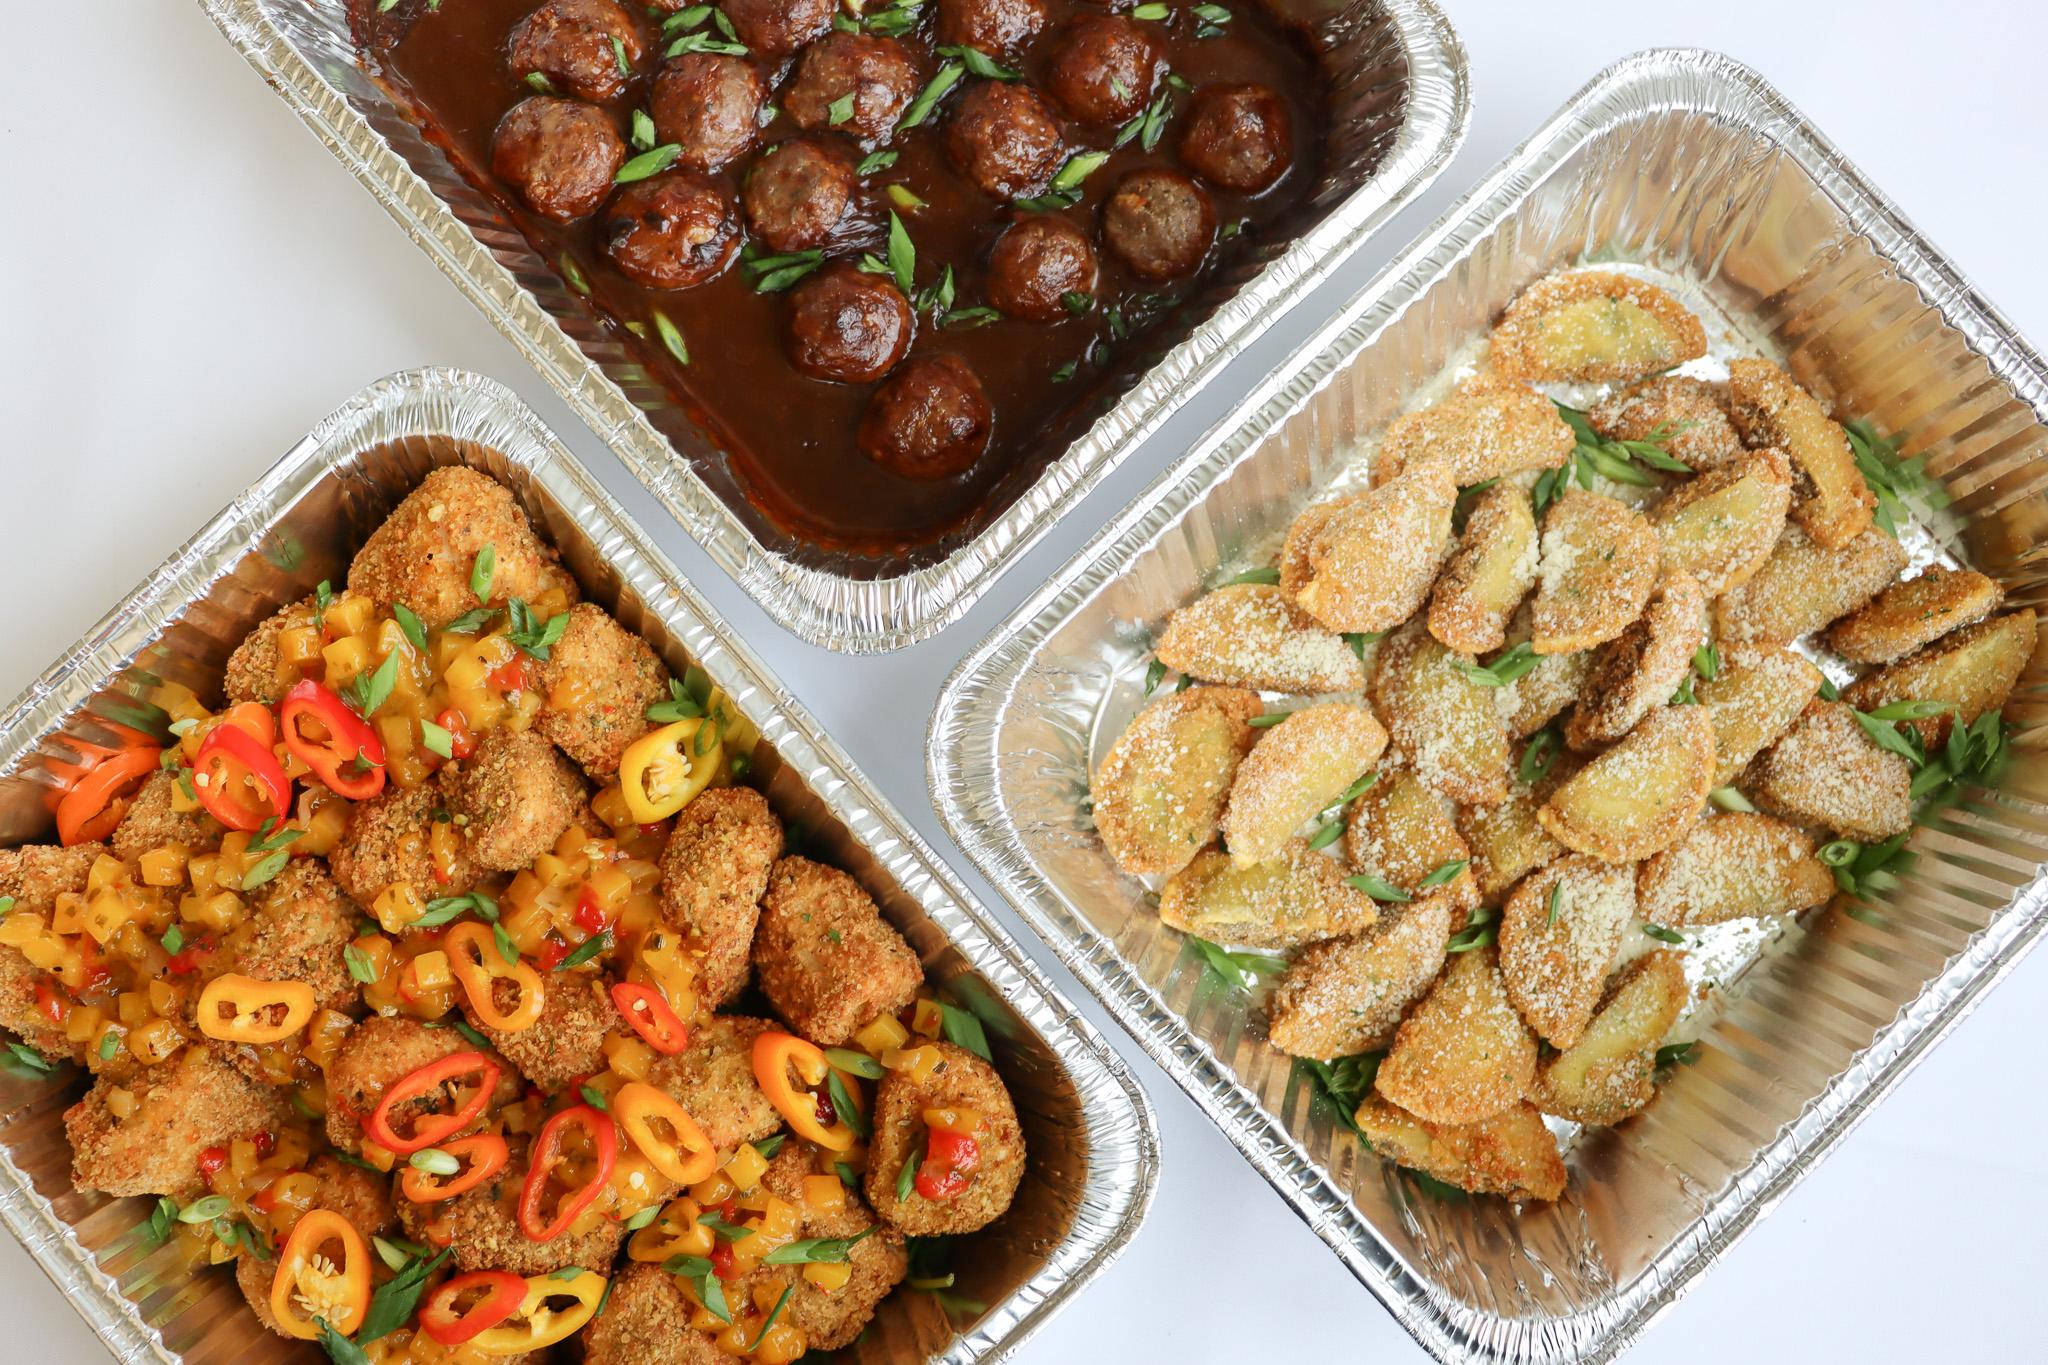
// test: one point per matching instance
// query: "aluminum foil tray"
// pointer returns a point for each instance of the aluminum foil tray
(1680, 162)
(1092, 1139)
(1400, 108)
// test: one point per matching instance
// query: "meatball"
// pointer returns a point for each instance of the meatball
(1006, 139)
(848, 325)
(512, 798)
(185, 1105)
(1160, 222)
(381, 1051)
(1037, 264)
(567, 1041)
(713, 1079)
(1238, 136)
(828, 962)
(672, 232)
(776, 28)
(797, 193)
(714, 871)
(389, 841)
(585, 48)
(709, 105)
(995, 28)
(297, 932)
(1103, 68)
(852, 83)
(559, 154)
(598, 681)
(150, 822)
(930, 420)
(964, 1082)
(646, 1321)
(425, 551)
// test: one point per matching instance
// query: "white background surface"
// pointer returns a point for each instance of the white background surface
(193, 282)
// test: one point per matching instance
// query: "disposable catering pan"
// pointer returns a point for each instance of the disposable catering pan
(1092, 1140)
(1687, 162)
(1399, 109)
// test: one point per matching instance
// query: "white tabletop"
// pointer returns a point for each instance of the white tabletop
(193, 281)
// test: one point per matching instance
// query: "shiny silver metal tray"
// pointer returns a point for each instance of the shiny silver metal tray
(1400, 108)
(1689, 163)
(1093, 1142)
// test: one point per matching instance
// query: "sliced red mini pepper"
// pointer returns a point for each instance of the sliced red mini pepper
(949, 1158)
(426, 1082)
(239, 780)
(444, 1319)
(336, 743)
(95, 804)
(651, 1018)
(548, 1153)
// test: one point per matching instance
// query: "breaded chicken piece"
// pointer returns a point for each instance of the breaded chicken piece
(297, 931)
(254, 1278)
(964, 1082)
(1299, 767)
(1594, 327)
(1639, 669)
(567, 1041)
(1559, 933)
(1909, 615)
(1735, 866)
(512, 798)
(36, 874)
(599, 679)
(380, 1051)
(387, 843)
(1687, 417)
(1825, 771)
(1488, 428)
(190, 1103)
(1463, 1053)
(254, 671)
(483, 1227)
(151, 823)
(21, 1013)
(1250, 635)
(831, 1319)
(713, 1079)
(1830, 501)
(646, 1321)
(363, 1197)
(1511, 1154)
(1365, 562)
(1159, 794)
(1297, 897)
(714, 871)
(1802, 587)
(1347, 995)
(827, 960)
(424, 553)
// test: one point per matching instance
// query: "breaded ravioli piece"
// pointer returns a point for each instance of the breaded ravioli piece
(713, 1078)
(1638, 670)
(1913, 614)
(256, 670)
(1754, 696)
(1446, 723)
(388, 843)
(382, 1050)
(1299, 767)
(1159, 794)
(966, 1082)
(1249, 635)
(1511, 1154)
(1598, 567)
(827, 960)
(1736, 866)
(1830, 501)
(425, 553)
(1559, 932)
(512, 798)
(1594, 327)
(1528, 703)
(1825, 771)
(567, 1042)
(1298, 896)
(1369, 562)
(152, 822)
(1973, 670)
(598, 681)
(187, 1104)
(1404, 832)
(1802, 587)
(1640, 796)
(1488, 428)
(1687, 417)
(1345, 996)
(1610, 1073)
(714, 871)
(646, 1321)
(1507, 840)
(1488, 575)
(1463, 1054)
(1722, 526)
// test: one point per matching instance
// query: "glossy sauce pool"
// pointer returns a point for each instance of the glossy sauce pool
(788, 438)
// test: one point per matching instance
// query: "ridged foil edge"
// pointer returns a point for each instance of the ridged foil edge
(1122, 1131)
(826, 609)
(960, 762)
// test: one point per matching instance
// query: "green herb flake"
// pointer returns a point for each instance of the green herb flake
(1378, 887)
(1234, 970)
(1663, 935)
(928, 98)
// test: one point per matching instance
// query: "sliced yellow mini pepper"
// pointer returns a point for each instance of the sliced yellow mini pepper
(539, 1323)
(662, 771)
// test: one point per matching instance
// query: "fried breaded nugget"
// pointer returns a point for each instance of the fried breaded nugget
(1297, 768)
(1638, 670)
(297, 931)
(1511, 1154)
(152, 823)
(1802, 587)
(1559, 932)
(35, 875)
(567, 1041)
(1736, 866)
(1973, 670)
(254, 670)
(190, 1103)
(830, 1319)
(1722, 526)
(1595, 327)
(21, 1011)
(1463, 1054)
(1913, 614)
(1610, 1073)
(713, 1079)
(387, 843)
(512, 798)
(1830, 501)
(1598, 567)
(1488, 428)
(1687, 417)
(599, 679)
(424, 553)
(1825, 771)
(1489, 573)
(1507, 840)
(827, 960)
(1250, 635)
(363, 1197)
(646, 1321)
(1299, 896)
(965, 1081)
(380, 1051)
(714, 871)
(1753, 697)
(254, 1278)
(1160, 792)
(483, 1227)
(1367, 563)
(1402, 831)
(1641, 795)
(1346, 995)
(1447, 724)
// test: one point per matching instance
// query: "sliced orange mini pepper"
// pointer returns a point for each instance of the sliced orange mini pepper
(429, 1082)
(324, 1267)
(487, 1155)
(95, 804)
(241, 1009)
(474, 958)
(687, 1157)
(776, 1056)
